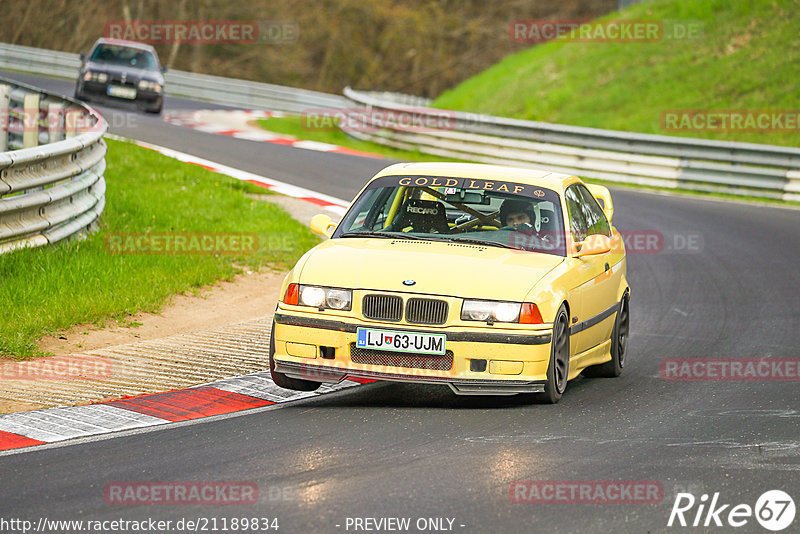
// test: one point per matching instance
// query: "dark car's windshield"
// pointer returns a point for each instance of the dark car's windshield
(482, 211)
(124, 55)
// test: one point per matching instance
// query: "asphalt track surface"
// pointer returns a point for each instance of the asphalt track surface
(393, 450)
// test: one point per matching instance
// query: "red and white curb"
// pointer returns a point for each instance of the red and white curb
(26, 429)
(235, 123)
(333, 204)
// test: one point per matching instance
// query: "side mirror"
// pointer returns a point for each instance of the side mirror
(593, 244)
(322, 225)
(164, 68)
(82, 56)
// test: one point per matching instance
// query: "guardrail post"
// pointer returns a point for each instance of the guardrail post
(71, 119)
(55, 122)
(30, 121)
(5, 103)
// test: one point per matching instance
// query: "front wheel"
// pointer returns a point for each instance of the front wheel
(558, 369)
(281, 379)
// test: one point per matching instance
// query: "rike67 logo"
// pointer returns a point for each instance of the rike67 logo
(774, 510)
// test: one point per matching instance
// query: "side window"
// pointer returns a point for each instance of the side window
(596, 219)
(577, 218)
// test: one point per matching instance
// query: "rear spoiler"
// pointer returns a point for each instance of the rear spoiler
(603, 197)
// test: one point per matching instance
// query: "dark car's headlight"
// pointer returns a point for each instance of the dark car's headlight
(147, 85)
(491, 311)
(90, 76)
(319, 297)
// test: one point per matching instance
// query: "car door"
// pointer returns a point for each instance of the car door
(581, 271)
(599, 293)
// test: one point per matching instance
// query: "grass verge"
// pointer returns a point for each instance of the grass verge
(49, 289)
(744, 59)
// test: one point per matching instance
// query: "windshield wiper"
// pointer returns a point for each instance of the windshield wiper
(379, 234)
(471, 241)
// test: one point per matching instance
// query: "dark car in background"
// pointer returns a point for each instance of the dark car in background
(124, 71)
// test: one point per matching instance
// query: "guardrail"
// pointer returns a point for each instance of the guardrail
(51, 181)
(216, 89)
(655, 160)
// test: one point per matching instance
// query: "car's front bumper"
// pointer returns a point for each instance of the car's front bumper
(319, 349)
(100, 91)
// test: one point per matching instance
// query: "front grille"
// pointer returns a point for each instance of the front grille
(382, 307)
(426, 311)
(116, 79)
(399, 359)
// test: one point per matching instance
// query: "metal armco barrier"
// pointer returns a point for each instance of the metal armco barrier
(52, 161)
(214, 89)
(656, 160)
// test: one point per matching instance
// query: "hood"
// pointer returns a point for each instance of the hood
(439, 268)
(132, 73)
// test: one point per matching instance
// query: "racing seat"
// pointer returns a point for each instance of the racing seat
(549, 225)
(423, 216)
(549, 231)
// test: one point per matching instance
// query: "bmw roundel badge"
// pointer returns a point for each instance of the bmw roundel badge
(409, 282)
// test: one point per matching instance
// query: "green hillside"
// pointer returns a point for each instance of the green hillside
(747, 58)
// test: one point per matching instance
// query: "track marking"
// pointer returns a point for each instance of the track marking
(235, 123)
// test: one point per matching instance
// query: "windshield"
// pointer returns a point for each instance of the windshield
(123, 55)
(491, 212)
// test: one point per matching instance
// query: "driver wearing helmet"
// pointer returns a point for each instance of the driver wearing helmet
(515, 212)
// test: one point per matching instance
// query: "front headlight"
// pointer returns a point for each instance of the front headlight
(491, 311)
(484, 310)
(147, 85)
(100, 77)
(319, 297)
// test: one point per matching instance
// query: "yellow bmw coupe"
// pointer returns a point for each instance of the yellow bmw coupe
(492, 280)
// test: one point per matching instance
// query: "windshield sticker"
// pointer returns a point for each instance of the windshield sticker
(452, 184)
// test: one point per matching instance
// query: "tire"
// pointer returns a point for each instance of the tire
(558, 368)
(281, 379)
(154, 110)
(619, 342)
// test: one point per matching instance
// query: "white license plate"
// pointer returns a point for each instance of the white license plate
(409, 342)
(121, 92)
